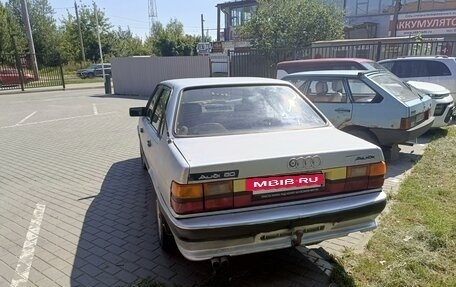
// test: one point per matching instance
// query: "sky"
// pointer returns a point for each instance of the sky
(134, 13)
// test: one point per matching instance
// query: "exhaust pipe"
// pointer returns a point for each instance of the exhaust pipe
(224, 262)
(296, 238)
(215, 262)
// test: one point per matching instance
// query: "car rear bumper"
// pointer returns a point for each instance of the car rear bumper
(387, 137)
(270, 228)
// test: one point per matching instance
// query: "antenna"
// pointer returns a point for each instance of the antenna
(152, 15)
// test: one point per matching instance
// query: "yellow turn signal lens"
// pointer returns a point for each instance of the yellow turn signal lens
(378, 168)
(187, 190)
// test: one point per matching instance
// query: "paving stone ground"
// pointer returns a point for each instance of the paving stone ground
(76, 152)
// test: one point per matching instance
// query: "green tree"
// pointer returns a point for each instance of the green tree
(5, 40)
(171, 40)
(126, 44)
(44, 29)
(293, 24)
(70, 45)
(9, 31)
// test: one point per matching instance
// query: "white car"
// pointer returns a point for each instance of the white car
(244, 165)
(442, 102)
(439, 70)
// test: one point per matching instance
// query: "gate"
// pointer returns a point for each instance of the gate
(18, 72)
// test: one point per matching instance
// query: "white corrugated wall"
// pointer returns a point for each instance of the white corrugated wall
(140, 75)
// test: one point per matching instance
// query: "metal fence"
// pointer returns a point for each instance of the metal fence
(17, 72)
(263, 64)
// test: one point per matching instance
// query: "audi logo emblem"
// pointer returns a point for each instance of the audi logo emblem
(304, 162)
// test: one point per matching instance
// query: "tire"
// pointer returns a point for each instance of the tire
(165, 237)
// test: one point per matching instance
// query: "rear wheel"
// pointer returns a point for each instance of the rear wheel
(165, 237)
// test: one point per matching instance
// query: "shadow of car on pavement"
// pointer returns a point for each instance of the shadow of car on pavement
(118, 245)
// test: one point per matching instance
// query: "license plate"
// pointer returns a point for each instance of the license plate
(280, 183)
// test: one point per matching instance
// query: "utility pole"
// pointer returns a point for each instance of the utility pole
(202, 28)
(80, 33)
(397, 8)
(99, 40)
(153, 17)
(28, 32)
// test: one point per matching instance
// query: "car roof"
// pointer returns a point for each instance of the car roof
(437, 57)
(220, 81)
(335, 73)
(324, 60)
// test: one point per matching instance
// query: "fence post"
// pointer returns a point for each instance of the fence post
(229, 63)
(61, 75)
(379, 50)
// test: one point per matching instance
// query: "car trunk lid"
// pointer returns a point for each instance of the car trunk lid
(270, 153)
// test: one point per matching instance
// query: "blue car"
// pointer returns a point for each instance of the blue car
(373, 105)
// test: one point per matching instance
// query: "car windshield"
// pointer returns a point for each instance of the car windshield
(243, 109)
(395, 86)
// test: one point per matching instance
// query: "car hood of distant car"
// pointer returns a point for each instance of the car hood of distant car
(243, 150)
(429, 88)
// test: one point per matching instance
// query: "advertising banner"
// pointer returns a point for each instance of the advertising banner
(425, 23)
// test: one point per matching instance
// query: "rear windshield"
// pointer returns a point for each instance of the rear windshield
(395, 87)
(243, 109)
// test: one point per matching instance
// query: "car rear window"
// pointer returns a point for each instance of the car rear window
(395, 87)
(243, 109)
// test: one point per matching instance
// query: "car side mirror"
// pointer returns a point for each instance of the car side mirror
(138, 112)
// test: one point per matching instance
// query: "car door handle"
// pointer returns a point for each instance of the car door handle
(141, 130)
(149, 143)
(342, 110)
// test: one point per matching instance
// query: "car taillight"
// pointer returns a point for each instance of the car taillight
(353, 178)
(410, 122)
(192, 198)
(365, 176)
(187, 198)
(219, 195)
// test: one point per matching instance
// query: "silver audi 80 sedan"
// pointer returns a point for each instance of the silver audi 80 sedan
(244, 165)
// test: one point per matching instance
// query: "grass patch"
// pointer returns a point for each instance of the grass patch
(415, 243)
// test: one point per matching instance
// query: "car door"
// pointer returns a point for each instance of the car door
(368, 109)
(330, 96)
(154, 139)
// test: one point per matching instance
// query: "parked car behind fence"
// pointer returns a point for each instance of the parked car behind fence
(94, 70)
(11, 77)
